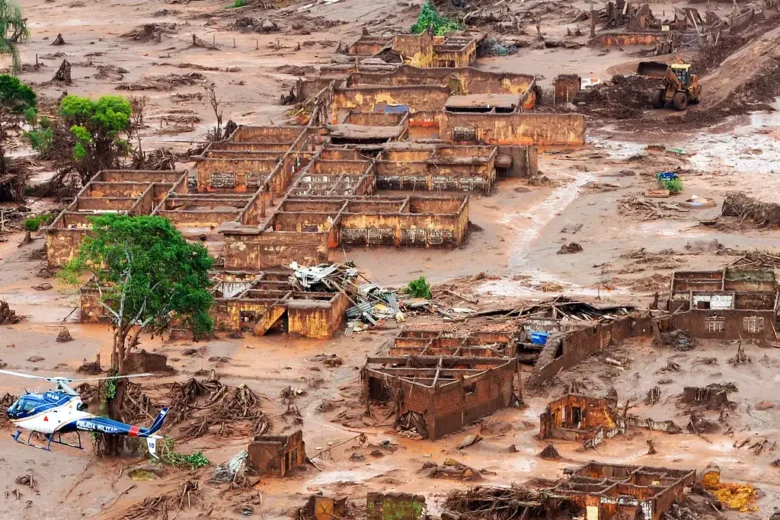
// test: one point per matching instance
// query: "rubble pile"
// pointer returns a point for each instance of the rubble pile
(623, 97)
(209, 406)
(494, 502)
(751, 211)
(8, 316)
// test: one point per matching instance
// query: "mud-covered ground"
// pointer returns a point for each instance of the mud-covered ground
(588, 196)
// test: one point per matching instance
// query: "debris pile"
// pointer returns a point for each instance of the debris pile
(63, 336)
(751, 211)
(165, 82)
(249, 24)
(570, 249)
(370, 302)
(623, 97)
(236, 471)
(8, 316)
(209, 406)
(494, 502)
(159, 506)
(451, 469)
(150, 32)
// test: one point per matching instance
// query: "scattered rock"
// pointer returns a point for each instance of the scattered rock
(326, 406)
(357, 457)
(764, 405)
(470, 440)
(236, 335)
(549, 453)
(59, 40)
(7, 316)
(329, 360)
(35, 359)
(43, 287)
(64, 335)
(110, 72)
(570, 248)
(494, 427)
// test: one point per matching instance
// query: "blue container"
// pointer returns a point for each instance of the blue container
(539, 338)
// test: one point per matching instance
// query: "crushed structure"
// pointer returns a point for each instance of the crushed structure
(421, 50)
(590, 420)
(595, 491)
(277, 455)
(602, 491)
(581, 418)
(439, 395)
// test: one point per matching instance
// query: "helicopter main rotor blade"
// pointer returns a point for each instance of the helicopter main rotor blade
(19, 374)
(108, 377)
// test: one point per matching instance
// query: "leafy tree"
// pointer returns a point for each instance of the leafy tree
(149, 275)
(97, 128)
(13, 29)
(16, 99)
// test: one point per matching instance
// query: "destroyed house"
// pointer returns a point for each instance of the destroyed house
(123, 192)
(421, 50)
(259, 302)
(460, 105)
(304, 229)
(731, 303)
(580, 418)
(476, 344)
(599, 491)
(277, 455)
(439, 395)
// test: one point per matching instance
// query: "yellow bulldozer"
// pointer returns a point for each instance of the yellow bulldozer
(680, 85)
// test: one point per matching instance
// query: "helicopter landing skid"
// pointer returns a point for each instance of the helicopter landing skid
(51, 440)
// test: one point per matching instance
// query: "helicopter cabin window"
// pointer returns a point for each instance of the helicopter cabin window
(29, 406)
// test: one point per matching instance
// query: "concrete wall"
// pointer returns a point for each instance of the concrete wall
(233, 175)
(273, 249)
(62, 245)
(277, 455)
(376, 99)
(317, 319)
(737, 323)
(516, 129)
(569, 349)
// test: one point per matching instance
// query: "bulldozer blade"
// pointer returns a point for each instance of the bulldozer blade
(652, 69)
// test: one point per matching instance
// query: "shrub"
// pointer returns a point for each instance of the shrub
(420, 288)
(34, 223)
(429, 16)
(673, 185)
(238, 3)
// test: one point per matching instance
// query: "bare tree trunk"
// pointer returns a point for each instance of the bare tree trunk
(116, 445)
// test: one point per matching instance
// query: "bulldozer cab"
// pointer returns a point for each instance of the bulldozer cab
(683, 73)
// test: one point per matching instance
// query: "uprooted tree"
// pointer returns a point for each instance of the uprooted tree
(99, 129)
(17, 100)
(149, 278)
(13, 29)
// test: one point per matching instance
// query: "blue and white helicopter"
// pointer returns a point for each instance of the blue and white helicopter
(61, 411)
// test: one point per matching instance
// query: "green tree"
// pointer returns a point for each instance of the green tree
(149, 275)
(97, 128)
(13, 29)
(16, 99)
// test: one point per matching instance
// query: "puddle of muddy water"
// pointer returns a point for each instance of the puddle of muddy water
(752, 148)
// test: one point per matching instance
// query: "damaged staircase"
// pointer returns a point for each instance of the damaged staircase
(269, 318)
